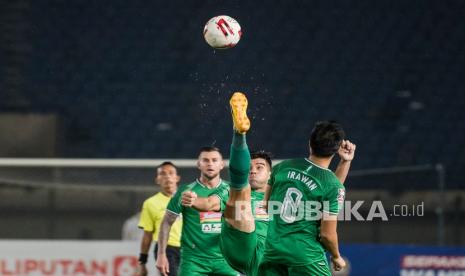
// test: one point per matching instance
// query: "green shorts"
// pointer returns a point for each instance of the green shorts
(197, 267)
(243, 251)
(320, 268)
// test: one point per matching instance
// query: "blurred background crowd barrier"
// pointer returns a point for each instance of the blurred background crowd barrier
(91, 199)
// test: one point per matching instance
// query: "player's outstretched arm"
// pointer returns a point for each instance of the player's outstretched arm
(165, 227)
(202, 204)
(328, 236)
(346, 154)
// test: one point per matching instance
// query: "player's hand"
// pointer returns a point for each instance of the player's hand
(188, 198)
(163, 265)
(347, 150)
(141, 270)
(339, 263)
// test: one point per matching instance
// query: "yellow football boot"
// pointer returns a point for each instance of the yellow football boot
(239, 104)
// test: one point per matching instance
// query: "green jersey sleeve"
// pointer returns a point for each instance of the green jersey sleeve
(223, 194)
(334, 199)
(175, 205)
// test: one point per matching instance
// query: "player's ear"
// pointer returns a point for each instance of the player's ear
(178, 178)
(198, 164)
(222, 164)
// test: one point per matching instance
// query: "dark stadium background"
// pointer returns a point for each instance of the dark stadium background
(135, 79)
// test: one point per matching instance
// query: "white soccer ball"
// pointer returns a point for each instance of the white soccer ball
(222, 32)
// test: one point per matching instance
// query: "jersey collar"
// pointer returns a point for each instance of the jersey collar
(200, 183)
(308, 160)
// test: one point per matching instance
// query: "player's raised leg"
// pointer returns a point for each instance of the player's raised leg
(238, 240)
(238, 212)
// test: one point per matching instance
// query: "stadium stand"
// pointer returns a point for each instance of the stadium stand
(138, 81)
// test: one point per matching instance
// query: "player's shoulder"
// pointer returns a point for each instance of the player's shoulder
(291, 162)
(157, 196)
(223, 184)
(151, 199)
(281, 164)
(325, 174)
(331, 181)
(187, 186)
(222, 188)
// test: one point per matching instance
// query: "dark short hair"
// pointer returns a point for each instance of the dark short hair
(167, 163)
(210, 149)
(262, 154)
(326, 138)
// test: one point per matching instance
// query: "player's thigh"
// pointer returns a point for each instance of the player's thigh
(193, 267)
(272, 269)
(319, 268)
(238, 248)
(254, 263)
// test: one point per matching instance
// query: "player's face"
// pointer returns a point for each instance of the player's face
(260, 172)
(210, 164)
(167, 178)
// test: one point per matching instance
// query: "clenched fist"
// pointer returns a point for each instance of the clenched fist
(347, 150)
(338, 263)
(188, 198)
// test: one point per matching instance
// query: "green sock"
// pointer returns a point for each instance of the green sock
(239, 162)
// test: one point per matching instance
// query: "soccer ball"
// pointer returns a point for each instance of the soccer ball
(222, 32)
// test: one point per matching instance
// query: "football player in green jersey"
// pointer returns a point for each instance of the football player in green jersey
(200, 251)
(304, 199)
(236, 234)
(245, 220)
(244, 228)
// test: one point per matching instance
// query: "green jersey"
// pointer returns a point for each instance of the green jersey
(260, 214)
(258, 210)
(300, 192)
(200, 230)
(243, 251)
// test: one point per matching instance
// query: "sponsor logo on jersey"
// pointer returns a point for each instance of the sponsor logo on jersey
(260, 211)
(210, 222)
(210, 217)
(211, 227)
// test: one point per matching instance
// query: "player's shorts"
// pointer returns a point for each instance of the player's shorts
(243, 251)
(319, 267)
(211, 267)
